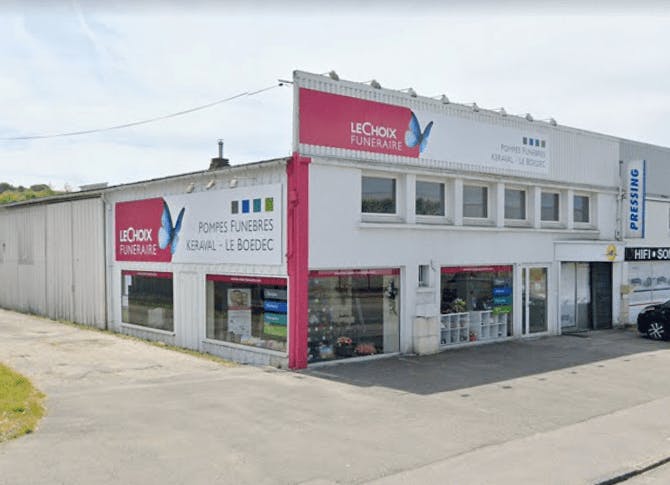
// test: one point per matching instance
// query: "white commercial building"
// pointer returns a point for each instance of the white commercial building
(401, 224)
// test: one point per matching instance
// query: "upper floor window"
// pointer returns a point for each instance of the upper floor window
(515, 204)
(550, 206)
(378, 195)
(475, 201)
(429, 198)
(581, 208)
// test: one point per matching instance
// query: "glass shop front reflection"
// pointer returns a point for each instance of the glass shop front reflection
(353, 313)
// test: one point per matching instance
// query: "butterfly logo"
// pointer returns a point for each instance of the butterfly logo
(414, 136)
(168, 235)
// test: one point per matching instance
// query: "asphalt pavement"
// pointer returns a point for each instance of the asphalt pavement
(550, 410)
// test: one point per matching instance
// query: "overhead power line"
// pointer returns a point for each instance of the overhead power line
(140, 122)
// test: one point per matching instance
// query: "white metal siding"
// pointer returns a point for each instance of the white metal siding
(88, 262)
(31, 265)
(59, 280)
(658, 164)
(22, 263)
(52, 260)
(8, 261)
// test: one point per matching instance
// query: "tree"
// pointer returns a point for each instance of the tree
(4, 187)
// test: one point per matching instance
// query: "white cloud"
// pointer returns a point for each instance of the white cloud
(80, 67)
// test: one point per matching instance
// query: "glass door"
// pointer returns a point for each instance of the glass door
(533, 300)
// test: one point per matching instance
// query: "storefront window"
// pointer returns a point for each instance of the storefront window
(247, 310)
(581, 208)
(378, 195)
(549, 206)
(476, 303)
(649, 282)
(475, 201)
(353, 313)
(515, 204)
(146, 299)
(429, 199)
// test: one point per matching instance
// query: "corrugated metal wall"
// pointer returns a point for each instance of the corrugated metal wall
(88, 248)
(52, 260)
(22, 264)
(59, 284)
(658, 164)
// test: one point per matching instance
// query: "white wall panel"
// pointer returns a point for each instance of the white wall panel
(8, 260)
(59, 275)
(31, 265)
(658, 164)
(657, 225)
(189, 310)
(88, 262)
(52, 260)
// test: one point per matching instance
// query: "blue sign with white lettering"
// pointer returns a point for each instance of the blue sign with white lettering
(502, 290)
(502, 300)
(274, 306)
(636, 173)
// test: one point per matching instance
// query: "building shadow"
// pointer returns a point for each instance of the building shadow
(486, 364)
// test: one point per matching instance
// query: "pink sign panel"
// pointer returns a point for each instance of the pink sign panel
(261, 280)
(336, 121)
(474, 269)
(354, 272)
(136, 231)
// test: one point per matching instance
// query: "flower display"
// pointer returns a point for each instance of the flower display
(344, 341)
(365, 349)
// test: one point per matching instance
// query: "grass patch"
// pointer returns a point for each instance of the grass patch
(20, 405)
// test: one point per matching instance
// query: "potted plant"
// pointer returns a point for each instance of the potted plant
(344, 347)
(366, 348)
(458, 305)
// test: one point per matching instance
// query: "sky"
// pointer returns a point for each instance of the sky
(80, 65)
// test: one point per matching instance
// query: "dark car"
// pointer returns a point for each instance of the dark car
(654, 321)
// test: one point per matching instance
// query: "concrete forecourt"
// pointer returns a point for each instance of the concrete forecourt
(552, 410)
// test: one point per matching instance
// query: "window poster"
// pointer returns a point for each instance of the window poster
(239, 311)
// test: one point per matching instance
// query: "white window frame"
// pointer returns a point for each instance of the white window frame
(433, 219)
(590, 198)
(552, 222)
(382, 216)
(489, 206)
(517, 222)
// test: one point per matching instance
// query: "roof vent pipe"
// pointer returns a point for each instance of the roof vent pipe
(219, 162)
